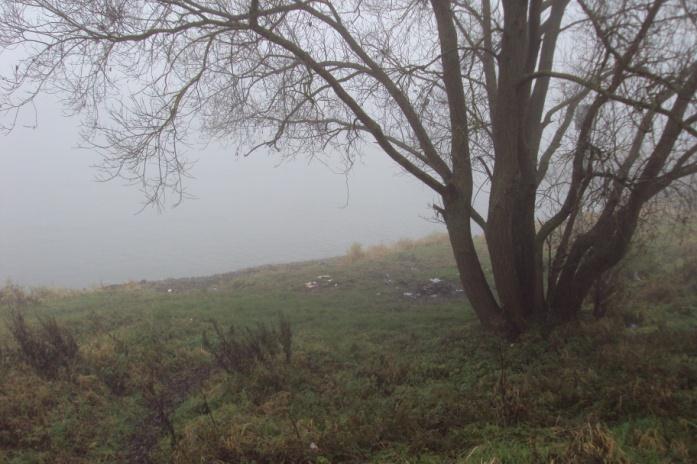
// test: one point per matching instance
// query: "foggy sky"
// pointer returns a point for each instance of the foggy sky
(59, 227)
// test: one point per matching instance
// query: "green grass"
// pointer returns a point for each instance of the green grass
(375, 376)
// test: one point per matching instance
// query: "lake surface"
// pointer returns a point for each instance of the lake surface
(59, 227)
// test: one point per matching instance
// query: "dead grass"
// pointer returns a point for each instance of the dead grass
(358, 252)
(593, 443)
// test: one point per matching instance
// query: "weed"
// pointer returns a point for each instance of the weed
(387, 373)
(160, 401)
(239, 351)
(355, 253)
(14, 296)
(48, 348)
(285, 337)
(110, 362)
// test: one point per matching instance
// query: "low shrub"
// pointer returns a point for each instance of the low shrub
(239, 351)
(48, 348)
(14, 296)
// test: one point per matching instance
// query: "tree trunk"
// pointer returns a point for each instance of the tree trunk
(592, 254)
(511, 222)
(457, 219)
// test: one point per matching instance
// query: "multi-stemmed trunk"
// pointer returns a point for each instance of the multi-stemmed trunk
(525, 292)
(457, 220)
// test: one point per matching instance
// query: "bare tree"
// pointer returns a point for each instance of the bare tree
(572, 115)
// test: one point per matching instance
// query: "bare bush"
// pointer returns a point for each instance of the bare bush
(14, 296)
(48, 348)
(238, 351)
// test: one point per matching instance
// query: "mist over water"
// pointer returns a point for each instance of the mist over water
(60, 227)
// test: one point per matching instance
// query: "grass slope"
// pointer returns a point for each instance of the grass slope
(375, 375)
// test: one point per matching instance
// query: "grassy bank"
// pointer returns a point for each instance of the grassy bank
(387, 365)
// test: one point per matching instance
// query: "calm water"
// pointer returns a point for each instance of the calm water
(59, 227)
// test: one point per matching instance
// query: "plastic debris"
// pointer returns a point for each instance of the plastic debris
(433, 288)
(323, 281)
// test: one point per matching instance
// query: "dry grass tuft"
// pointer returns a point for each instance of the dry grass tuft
(358, 252)
(593, 443)
(354, 253)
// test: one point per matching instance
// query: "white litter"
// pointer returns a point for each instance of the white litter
(435, 280)
(311, 284)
